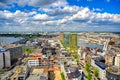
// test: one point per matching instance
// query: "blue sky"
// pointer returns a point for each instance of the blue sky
(59, 15)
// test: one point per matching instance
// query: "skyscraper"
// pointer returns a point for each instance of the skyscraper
(73, 42)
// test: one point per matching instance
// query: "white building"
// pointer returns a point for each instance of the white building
(33, 62)
(101, 68)
(105, 48)
(5, 60)
(117, 60)
(1, 60)
(34, 59)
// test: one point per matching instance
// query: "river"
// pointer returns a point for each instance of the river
(9, 40)
(83, 43)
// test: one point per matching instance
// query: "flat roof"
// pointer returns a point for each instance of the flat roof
(101, 65)
(38, 71)
(57, 75)
(2, 50)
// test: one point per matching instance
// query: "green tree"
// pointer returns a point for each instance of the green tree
(28, 50)
(87, 67)
(89, 76)
(75, 55)
(62, 75)
(78, 61)
(96, 72)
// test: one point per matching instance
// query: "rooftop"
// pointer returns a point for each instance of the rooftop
(2, 50)
(37, 77)
(57, 75)
(113, 70)
(74, 74)
(101, 65)
(12, 46)
(34, 56)
(38, 71)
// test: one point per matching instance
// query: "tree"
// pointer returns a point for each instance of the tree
(87, 67)
(62, 75)
(96, 72)
(89, 76)
(78, 61)
(75, 55)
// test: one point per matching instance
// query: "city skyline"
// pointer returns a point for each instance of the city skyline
(59, 15)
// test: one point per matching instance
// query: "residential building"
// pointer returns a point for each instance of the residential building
(109, 58)
(98, 62)
(74, 74)
(20, 73)
(34, 59)
(113, 73)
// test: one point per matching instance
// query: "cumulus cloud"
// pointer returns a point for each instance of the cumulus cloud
(87, 16)
(34, 3)
(55, 14)
(40, 17)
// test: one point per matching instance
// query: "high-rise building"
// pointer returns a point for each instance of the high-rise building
(15, 52)
(109, 58)
(61, 35)
(106, 44)
(117, 60)
(70, 42)
(73, 42)
(66, 40)
(4, 58)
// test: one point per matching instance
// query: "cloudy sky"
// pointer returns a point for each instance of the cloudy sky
(59, 15)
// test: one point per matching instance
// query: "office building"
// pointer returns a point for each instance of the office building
(66, 40)
(61, 36)
(15, 52)
(4, 58)
(73, 42)
(117, 60)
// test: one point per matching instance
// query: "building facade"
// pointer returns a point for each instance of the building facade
(117, 60)
(34, 60)
(15, 53)
(66, 39)
(113, 73)
(73, 42)
(61, 35)
(4, 59)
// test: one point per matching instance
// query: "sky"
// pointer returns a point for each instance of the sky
(59, 15)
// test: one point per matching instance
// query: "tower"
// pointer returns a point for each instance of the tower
(106, 44)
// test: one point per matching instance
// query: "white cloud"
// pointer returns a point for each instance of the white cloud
(84, 15)
(61, 16)
(97, 9)
(59, 3)
(40, 17)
